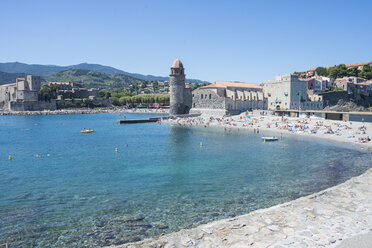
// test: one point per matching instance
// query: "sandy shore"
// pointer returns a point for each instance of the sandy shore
(76, 111)
(351, 132)
(323, 219)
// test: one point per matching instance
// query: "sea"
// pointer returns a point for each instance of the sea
(125, 183)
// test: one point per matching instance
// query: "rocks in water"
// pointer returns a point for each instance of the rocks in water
(129, 219)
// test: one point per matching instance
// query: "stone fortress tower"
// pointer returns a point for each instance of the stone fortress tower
(180, 96)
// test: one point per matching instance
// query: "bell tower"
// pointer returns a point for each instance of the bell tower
(177, 89)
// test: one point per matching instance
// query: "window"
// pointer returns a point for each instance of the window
(210, 96)
(201, 96)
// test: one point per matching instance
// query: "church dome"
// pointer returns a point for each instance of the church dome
(177, 64)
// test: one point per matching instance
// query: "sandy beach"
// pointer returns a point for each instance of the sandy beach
(340, 216)
(351, 132)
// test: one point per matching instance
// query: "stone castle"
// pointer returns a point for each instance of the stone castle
(23, 95)
(180, 96)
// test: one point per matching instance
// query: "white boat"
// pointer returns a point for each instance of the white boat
(273, 138)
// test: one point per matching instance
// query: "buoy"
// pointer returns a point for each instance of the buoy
(282, 147)
(201, 143)
(10, 157)
(116, 149)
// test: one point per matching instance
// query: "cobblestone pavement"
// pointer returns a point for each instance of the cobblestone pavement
(323, 219)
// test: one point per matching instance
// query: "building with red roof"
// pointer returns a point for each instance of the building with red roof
(225, 97)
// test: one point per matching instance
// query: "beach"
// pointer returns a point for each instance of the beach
(351, 132)
(340, 216)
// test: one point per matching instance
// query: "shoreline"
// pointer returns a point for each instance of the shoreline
(88, 111)
(278, 226)
(322, 219)
(331, 137)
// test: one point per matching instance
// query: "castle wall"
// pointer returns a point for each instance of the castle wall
(32, 105)
(27, 95)
(207, 99)
(33, 82)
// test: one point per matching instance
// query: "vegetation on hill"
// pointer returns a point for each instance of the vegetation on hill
(93, 79)
(121, 97)
(341, 70)
(48, 70)
(8, 78)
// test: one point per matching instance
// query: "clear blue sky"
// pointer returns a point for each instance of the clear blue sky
(249, 41)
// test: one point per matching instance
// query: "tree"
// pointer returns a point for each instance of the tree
(321, 71)
(366, 72)
(338, 71)
(104, 94)
(46, 93)
(353, 71)
(156, 86)
(115, 101)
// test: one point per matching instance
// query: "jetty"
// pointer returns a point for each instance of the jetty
(155, 119)
(134, 121)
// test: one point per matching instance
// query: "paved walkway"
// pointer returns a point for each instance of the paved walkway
(325, 219)
(359, 241)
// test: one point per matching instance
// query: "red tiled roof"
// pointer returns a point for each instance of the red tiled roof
(211, 86)
(348, 65)
(238, 84)
(13, 84)
(358, 64)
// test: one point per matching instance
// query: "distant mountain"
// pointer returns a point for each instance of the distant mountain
(93, 79)
(48, 70)
(8, 78)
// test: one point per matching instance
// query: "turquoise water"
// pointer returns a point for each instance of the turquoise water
(80, 193)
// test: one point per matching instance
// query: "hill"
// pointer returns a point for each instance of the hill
(8, 78)
(93, 79)
(48, 70)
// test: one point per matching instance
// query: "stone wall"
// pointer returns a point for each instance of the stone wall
(332, 98)
(32, 105)
(207, 99)
(27, 95)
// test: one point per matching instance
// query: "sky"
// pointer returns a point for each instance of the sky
(247, 41)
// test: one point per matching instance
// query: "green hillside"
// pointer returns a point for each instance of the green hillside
(49, 70)
(8, 78)
(93, 79)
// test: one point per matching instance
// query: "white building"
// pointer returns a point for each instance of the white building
(288, 92)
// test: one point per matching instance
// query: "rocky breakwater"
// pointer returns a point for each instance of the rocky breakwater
(86, 111)
(59, 112)
(323, 219)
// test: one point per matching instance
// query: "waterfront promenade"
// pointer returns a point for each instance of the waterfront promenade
(323, 219)
(338, 216)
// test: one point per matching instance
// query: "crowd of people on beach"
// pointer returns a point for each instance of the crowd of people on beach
(303, 125)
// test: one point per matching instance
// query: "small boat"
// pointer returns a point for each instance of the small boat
(273, 138)
(87, 131)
